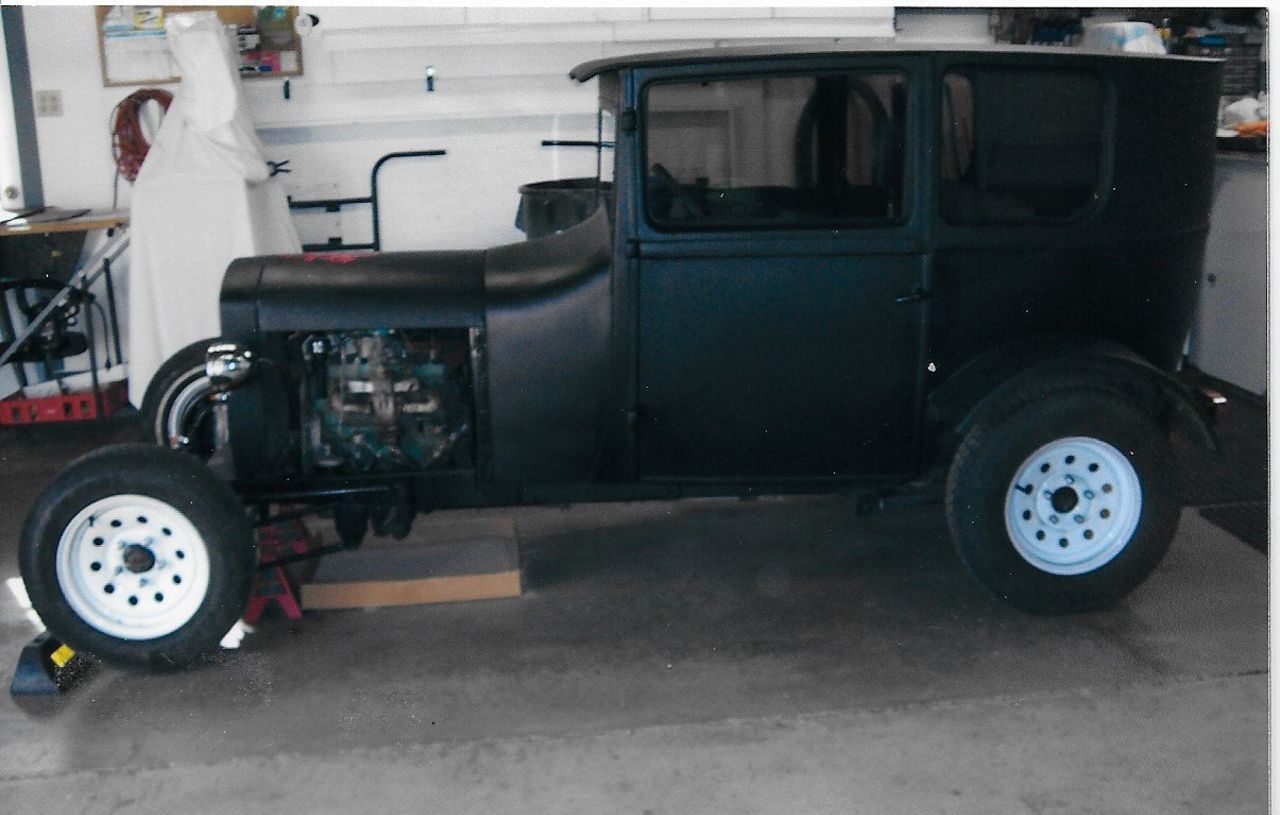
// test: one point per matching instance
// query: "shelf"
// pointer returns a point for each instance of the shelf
(319, 106)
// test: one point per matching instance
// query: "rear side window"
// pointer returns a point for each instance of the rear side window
(1019, 146)
(778, 151)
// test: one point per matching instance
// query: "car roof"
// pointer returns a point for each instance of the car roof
(594, 67)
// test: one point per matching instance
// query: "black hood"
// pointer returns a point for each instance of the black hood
(447, 289)
(317, 292)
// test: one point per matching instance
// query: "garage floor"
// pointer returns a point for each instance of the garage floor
(702, 656)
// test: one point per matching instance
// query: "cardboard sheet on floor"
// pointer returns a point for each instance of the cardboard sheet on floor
(438, 563)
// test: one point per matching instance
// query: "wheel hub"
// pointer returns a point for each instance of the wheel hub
(1064, 499)
(138, 558)
(1074, 504)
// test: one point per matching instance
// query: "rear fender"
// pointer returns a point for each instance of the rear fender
(1049, 364)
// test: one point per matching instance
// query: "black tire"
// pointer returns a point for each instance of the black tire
(175, 409)
(196, 496)
(997, 450)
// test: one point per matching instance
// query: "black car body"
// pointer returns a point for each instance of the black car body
(746, 354)
(814, 270)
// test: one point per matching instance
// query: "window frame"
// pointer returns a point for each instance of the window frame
(1106, 134)
(811, 71)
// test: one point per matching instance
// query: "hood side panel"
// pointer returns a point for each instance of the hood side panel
(387, 290)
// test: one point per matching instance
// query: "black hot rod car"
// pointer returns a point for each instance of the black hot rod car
(813, 270)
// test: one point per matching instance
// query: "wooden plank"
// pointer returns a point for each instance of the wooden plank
(440, 562)
(367, 594)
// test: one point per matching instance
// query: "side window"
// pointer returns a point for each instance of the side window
(1019, 146)
(781, 151)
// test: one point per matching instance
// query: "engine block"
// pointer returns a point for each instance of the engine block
(384, 400)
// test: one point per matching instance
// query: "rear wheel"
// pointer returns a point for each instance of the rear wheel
(138, 555)
(176, 410)
(1063, 502)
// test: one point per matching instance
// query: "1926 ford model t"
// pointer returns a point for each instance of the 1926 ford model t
(814, 270)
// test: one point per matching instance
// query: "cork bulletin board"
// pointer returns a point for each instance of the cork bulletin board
(133, 50)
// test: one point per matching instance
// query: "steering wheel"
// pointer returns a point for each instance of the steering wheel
(678, 192)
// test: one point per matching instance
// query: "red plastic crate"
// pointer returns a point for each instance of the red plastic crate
(73, 407)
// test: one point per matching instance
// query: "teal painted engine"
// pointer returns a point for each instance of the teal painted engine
(385, 400)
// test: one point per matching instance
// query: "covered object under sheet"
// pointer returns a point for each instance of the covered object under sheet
(202, 199)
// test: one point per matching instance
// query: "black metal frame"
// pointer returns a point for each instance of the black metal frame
(336, 204)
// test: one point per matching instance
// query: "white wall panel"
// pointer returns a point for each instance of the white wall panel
(529, 15)
(76, 167)
(876, 13)
(969, 26)
(726, 31)
(341, 18)
(454, 62)
(704, 13)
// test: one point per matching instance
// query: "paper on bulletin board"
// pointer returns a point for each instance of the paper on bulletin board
(137, 57)
(134, 47)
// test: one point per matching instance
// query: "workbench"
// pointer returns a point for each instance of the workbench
(82, 223)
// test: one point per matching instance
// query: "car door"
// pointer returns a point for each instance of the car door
(782, 275)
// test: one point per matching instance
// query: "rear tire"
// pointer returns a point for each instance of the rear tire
(138, 555)
(1063, 501)
(176, 411)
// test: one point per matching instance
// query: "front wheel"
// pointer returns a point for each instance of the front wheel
(138, 555)
(176, 411)
(1063, 502)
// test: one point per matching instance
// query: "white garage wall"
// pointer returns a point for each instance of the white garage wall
(501, 88)
(969, 26)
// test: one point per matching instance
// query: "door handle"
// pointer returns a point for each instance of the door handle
(917, 295)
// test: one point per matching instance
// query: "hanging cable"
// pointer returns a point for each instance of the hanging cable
(128, 143)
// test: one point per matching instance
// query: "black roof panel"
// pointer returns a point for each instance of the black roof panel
(592, 68)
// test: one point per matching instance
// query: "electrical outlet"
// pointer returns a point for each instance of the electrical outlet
(48, 103)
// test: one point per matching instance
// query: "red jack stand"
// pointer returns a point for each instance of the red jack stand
(274, 584)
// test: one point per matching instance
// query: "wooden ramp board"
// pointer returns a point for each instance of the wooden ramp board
(438, 563)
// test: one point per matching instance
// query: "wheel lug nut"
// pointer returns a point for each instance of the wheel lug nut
(1048, 493)
(1069, 479)
(1079, 519)
(1053, 519)
(1088, 494)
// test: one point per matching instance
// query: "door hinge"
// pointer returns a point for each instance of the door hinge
(633, 249)
(627, 120)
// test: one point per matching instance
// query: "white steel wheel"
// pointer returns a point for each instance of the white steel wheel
(1073, 506)
(133, 567)
(1062, 498)
(138, 555)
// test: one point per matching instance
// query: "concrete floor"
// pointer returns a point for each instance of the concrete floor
(701, 656)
